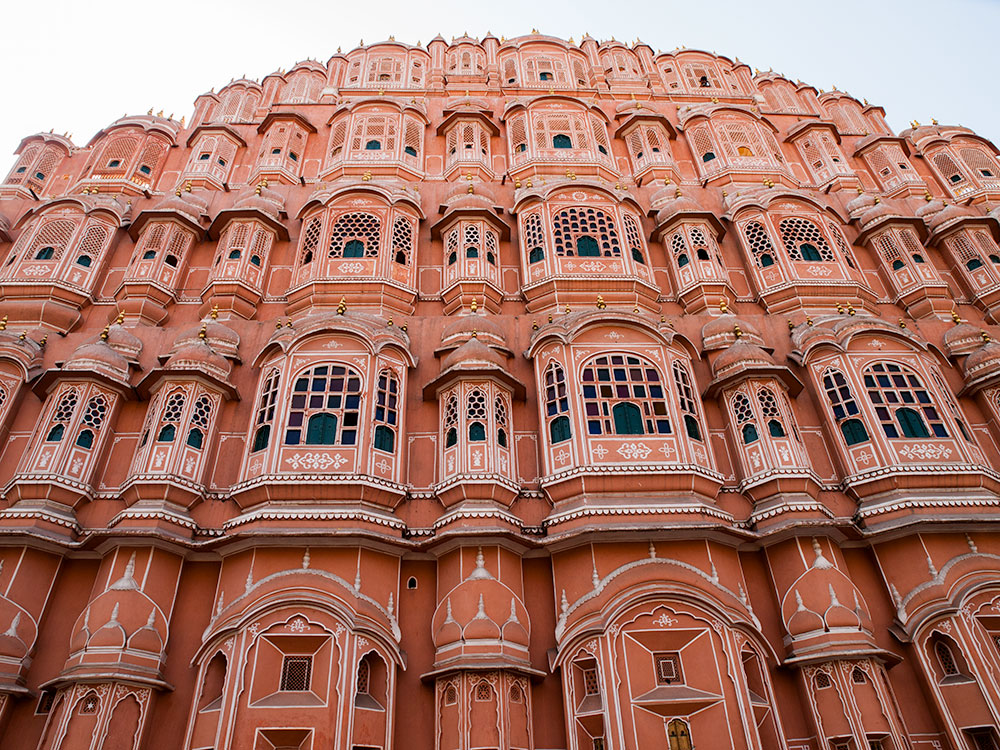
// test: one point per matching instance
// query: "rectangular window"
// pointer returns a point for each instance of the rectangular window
(668, 668)
(45, 701)
(296, 673)
(590, 684)
(981, 739)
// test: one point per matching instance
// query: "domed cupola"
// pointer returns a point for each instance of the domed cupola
(726, 329)
(857, 206)
(962, 339)
(481, 623)
(101, 359)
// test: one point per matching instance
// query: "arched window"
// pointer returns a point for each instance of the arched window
(402, 241)
(804, 241)
(759, 244)
(561, 140)
(771, 414)
(744, 418)
(845, 408)
(171, 417)
(613, 380)
(355, 235)
(686, 399)
(386, 411)
(311, 239)
(63, 414)
(373, 145)
(678, 734)
(557, 403)
(573, 224)
(500, 416)
(587, 246)
(265, 412)
(199, 421)
(451, 422)
(902, 404)
(533, 238)
(475, 415)
(946, 659)
(326, 400)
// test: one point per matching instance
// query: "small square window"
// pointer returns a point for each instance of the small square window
(296, 673)
(668, 668)
(590, 683)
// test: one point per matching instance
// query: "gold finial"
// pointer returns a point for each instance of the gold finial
(44, 340)
(986, 337)
(187, 186)
(840, 308)
(203, 333)
(148, 113)
(877, 200)
(120, 318)
(902, 323)
(215, 312)
(678, 193)
(954, 316)
(809, 321)
(550, 317)
(636, 309)
(933, 121)
(723, 305)
(663, 318)
(104, 333)
(475, 333)
(3, 323)
(534, 325)
(288, 323)
(791, 325)
(342, 306)
(403, 328)
(24, 334)
(850, 309)
(928, 197)
(738, 331)
(388, 323)
(601, 304)
(277, 325)
(474, 306)
(567, 309)
(160, 113)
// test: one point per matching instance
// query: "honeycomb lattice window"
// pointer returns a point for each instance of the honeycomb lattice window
(476, 415)
(200, 418)
(94, 240)
(484, 692)
(534, 238)
(858, 676)
(949, 170)
(90, 704)
(364, 676)
(946, 659)
(746, 423)
(326, 406)
(759, 243)
(310, 239)
(585, 231)
(902, 404)
(450, 695)
(624, 395)
(803, 240)
(96, 411)
(823, 681)
(65, 409)
(771, 413)
(402, 240)
(355, 235)
(591, 685)
(296, 673)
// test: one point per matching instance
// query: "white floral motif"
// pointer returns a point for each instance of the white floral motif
(818, 270)
(613, 336)
(299, 625)
(256, 466)
(315, 461)
(77, 466)
(784, 453)
(43, 460)
(592, 266)
(632, 451)
(865, 457)
(36, 270)
(665, 620)
(332, 345)
(352, 267)
(188, 465)
(923, 451)
(600, 451)
(668, 450)
(562, 456)
(254, 629)
(876, 344)
(383, 466)
(451, 463)
(477, 459)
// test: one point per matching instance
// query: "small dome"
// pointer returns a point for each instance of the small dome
(720, 332)
(99, 357)
(950, 213)
(219, 336)
(740, 356)
(191, 205)
(484, 326)
(671, 207)
(147, 638)
(876, 213)
(124, 342)
(984, 361)
(962, 339)
(473, 354)
(860, 204)
(200, 356)
(262, 198)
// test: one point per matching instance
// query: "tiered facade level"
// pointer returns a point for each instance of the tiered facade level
(502, 395)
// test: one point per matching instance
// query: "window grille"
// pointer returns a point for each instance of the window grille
(982, 164)
(573, 223)
(903, 406)
(402, 240)
(803, 241)
(90, 704)
(500, 417)
(363, 228)
(475, 415)
(591, 685)
(745, 420)
(823, 680)
(557, 403)
(265, 411)
(326, 405)
(548, 126)
(845, 407)
(484, 692)
(200, 418)
(56, 234)
(450, 695)
(771, 414)
(634, 238)
(515, 694)
(686, 398)
(534, 239)
(310, 239)
(668, 668)
(45, 702)
(21, 168)
(296, 673)
(623, 394)
(949, 170)
(386, 411)
(949, 401)
(451, 421)
(338, 138)
(374, 129)
(946, 659)
(116, 155)
(858, 676)
(364, 676)
(759, 243)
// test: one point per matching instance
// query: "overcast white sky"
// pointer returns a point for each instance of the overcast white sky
(77, 66)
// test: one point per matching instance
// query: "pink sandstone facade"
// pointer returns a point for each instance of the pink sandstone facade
(502, 394)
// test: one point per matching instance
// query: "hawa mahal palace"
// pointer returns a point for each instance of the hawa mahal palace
(520, 394)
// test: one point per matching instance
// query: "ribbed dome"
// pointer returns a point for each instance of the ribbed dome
(484, 326)
(984, 361)
(200, 356)
(928, 209)
(99, 357)
(740, 355)
(219, 336)
(962, 339)
(124, 342)
(951, 212)
(473, 354)
(262, 198)
(860, 204)
(674, 206)
(720, 332)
